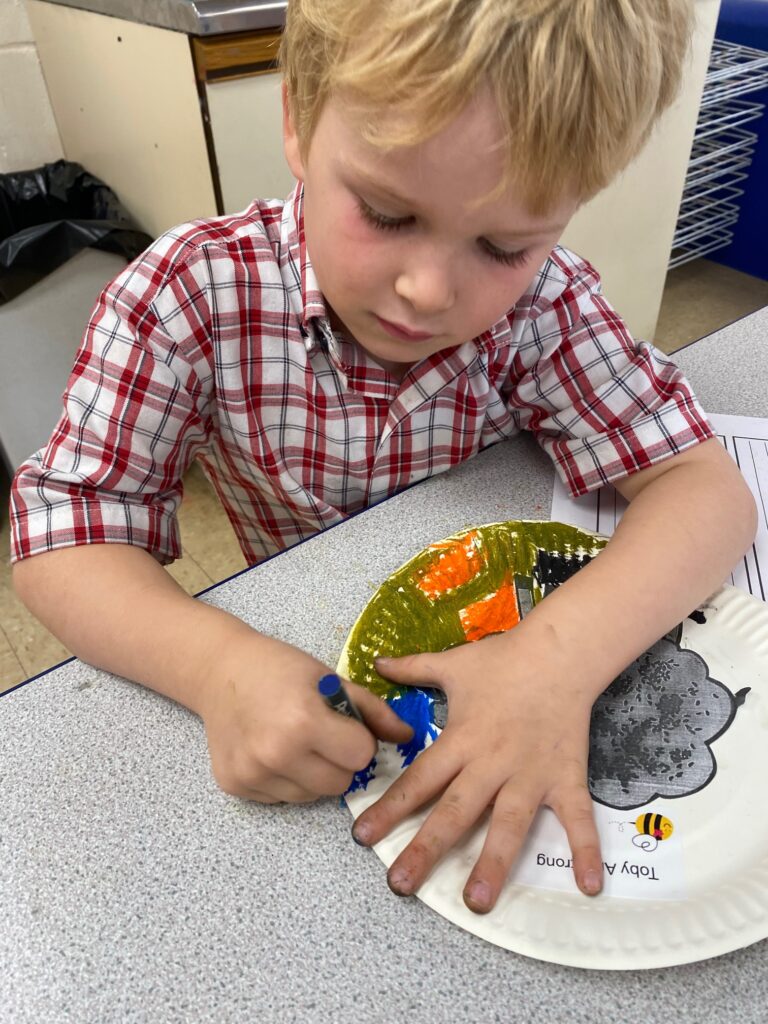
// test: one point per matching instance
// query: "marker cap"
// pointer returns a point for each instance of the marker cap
(329, 685)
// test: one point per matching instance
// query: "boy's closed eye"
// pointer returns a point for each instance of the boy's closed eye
(383, 222)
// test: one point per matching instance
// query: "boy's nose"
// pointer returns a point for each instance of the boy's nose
(428, 289)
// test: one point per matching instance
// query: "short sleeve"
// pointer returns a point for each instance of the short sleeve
(602, 405)
(135, 413)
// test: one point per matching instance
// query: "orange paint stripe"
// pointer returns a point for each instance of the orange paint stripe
(493, 614)
(457, 563)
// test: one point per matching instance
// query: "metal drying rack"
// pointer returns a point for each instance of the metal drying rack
(722, 151)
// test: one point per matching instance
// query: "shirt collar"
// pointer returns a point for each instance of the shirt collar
(314, 320)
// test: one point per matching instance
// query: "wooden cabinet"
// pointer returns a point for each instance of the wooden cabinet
(178, 126)
(241, 90)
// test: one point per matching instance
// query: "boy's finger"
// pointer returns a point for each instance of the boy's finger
(320, 776)
(575, 810)
(429, 774)
(279, 790)
(343, 741)
(511, 819)
(379, 716)
(412, 669)
(453, 815)
(313, 777)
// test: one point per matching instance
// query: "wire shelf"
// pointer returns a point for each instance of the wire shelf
(732, 140)
(705, 224)
(729, 114)
(725, 185)
(714, 169)
(706, 204)
(734, 70)
(721, 153)
(703, 247)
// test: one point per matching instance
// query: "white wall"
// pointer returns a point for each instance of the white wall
(126, 104)
(28, 133)
(627, 230)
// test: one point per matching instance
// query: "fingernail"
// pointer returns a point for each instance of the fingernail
(361, 833)
(400, 882)
(479, 895)
(592, 882)
(382, 660)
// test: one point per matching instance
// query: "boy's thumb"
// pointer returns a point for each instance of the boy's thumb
(410, 670)
(379, 716)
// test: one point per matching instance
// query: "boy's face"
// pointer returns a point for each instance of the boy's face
(407, 259)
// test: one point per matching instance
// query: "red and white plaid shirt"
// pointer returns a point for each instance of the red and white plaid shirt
(216, 345)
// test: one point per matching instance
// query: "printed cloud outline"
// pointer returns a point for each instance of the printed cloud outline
(652, 730)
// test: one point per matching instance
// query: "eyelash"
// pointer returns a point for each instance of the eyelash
(382, 223)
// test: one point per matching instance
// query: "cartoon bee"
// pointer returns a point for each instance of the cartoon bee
(652, 829)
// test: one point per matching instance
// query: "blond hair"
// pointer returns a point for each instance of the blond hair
(578, 83)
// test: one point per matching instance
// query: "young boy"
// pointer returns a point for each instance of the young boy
(406, 306)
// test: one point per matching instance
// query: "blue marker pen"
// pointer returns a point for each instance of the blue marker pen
(335, 696)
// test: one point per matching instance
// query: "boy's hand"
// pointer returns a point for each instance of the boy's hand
(515, 738)
(271, 736)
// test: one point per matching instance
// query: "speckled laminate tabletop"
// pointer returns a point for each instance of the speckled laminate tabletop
(132, 890)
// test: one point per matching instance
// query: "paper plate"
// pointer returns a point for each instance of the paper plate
(710, 679)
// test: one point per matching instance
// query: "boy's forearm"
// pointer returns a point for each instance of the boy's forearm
(115, 607)
(681, 535)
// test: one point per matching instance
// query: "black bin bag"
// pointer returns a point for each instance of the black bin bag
(49, 214)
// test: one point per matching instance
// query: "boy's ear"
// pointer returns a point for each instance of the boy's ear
(291, 140)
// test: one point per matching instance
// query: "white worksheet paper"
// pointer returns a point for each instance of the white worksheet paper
(745, 439)
(636, 866)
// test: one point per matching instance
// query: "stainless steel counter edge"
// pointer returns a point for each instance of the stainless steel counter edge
(195, 17)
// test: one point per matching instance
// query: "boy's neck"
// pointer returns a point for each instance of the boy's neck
(396, 370)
